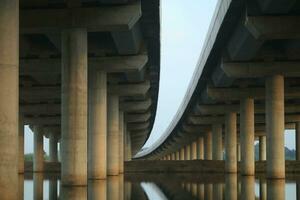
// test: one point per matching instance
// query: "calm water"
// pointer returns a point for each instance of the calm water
(162, 187)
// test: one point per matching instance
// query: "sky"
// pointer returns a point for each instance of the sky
(184, 26)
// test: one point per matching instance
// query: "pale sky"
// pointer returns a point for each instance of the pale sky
(184, 26)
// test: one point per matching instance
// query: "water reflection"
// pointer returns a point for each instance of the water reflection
(161, 187)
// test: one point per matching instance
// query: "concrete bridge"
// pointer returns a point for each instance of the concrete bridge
(245, 88)
(84, 73)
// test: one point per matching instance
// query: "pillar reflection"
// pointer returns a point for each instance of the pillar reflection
(38, 180)
(21, 187)
(231, 187)
(276, 189)
(97, 190)
(200, 191)
(262, 189)
(208, 191)
(217, 191)
(53, 189)
(73, 193)
(248, 191)
(127, 191)
(113, 188)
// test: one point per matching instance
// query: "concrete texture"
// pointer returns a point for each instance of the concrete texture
(208, 145)
(74, 107)
(262, 148)
(200, 148)
(97, 133)
(275, 126)
(9, 103)
(121, 142)
(182, 153)
(247, 136)
(194, 150)
(217, 142)
(53, 147)
(113, 135)
(21, 146)
(187, 152)
(38, 149)
(230, 143)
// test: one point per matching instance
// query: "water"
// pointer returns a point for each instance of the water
(161, 187)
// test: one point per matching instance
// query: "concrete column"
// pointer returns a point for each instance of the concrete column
(177, 155)
(297, 135)
(263, 189)
(53, 189)
(262, 148)
(9, 101)
(238, 152)
(97, 190)
(248, 188)
(208, 146)
(21, 187)
(217, 142)
(113, 188)
(276, 189)
(275, 126)
(97, 133)
(217, 191)
(173, 156)
(53, 141)
(231, 187)
(38, 146)
(113, 157)
(182, 153)
(21, 145)
(200, 148)
(73, 193)
(208, 191)
(187, 152)
(200, 191)
(230, 143)
(194, 151)
(121, 142)
(74, 107)
(127, 145)
(38, 183)
(247, 136)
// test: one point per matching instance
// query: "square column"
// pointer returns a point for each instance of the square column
(217, 142)
(275, 126)
(9, 101)
(113, 135)
(21, 145)
(74, 107)
(121, 141)
(97, 132)
(38, 143)
(200, 148)
(230, 143)
(53, 152)
(262, 148)
(247, 136)
(208, 146)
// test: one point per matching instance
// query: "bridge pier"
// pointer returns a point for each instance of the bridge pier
(247, 136)
(9, 103)
(74, 107)
(217, 142)
(200, 148)
(187, 152)
(113, 136)
(230, 143)
(53, 151)
(194, 150)
(262, 148)
(275, 126)
(182, 153)
(38, 143)
(208, 146)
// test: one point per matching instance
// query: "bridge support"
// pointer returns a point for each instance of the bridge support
(275, 126)
(53, 141)
(38, 143)
(230, 143)
(74, 107)
(187, 152)
(9, 102)
(113, 136)
(194, 151)
(200, 149)
(208, 146)
(182, 154)
(217, 142)
(262, 148)
(247, 136)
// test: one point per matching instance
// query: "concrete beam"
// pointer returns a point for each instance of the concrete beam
(231, 94)
(134, 118)
(138, 126)
(261, 69)
(130, 89)
(136, 106)
(113, 64)
(195, 128)
(273, 27)
(55, 120)
(94, 19)
(40, 109)
(40, 93)
(277, 6)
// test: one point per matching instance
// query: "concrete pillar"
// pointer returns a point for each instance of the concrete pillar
(127, 145)
(38, 147)
(53, 141)
(182, 153)
(230, 143)
(208, 146)
(9, 101)
(177, 155)
(248, 188)
(21, 187)
(113, 188)
(113, 136)
(238, 152)
(74, 107)
(231, 187)
(200, 191)
(173, 156)
(297, 135)
(53, 189)
(217, 191)
(97, 133)
(275, 126)
(73, 193)
(263, 189)
(208, 191)
(97, 190)
(276, 189)
(262, 148)
(200, 148)
(21, 145)
(121, 142)
(217, 142)
(187, 152)
(194, 151)
(38, 181)
(194, 189)
(247, 136)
